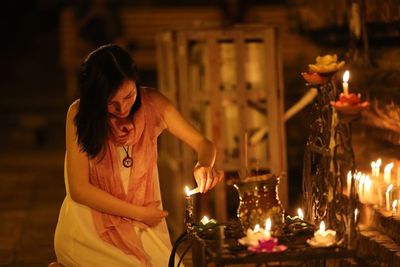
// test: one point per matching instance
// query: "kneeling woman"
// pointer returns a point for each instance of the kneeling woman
(112, 214)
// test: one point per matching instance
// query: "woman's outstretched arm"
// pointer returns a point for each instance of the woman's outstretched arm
(204, 172)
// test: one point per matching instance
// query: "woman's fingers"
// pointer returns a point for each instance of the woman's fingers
(210, 179)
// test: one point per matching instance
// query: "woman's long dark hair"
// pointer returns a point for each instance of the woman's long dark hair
(100, 76)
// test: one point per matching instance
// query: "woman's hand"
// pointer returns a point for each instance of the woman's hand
(151, 214)
(207, 177)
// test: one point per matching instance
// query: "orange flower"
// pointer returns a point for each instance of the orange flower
(312, 78)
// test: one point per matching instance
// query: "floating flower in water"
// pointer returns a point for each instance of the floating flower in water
(326, 64)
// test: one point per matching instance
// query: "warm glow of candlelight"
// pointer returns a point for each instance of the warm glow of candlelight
(322, 227)
(346, 76)
(355, 214)
(378, 165)
(394, 205)
(389, 188)
(187, 191)
(348, 182)
(387, 172)
(256, 228)
(268, 225)
(300, 214)
(205, 220)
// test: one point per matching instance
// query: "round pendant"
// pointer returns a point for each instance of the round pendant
(127, 162)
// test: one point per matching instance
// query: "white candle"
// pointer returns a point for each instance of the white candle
(324, 237)
(373, 168)
(356, 215)
(378, 166)
(361, 186)
(394, 205)
(300, 214)
(367, 190)
(390, 187)
(349, 176)
(398, 176)
(387, 173)
(268, 228)
(346, 77)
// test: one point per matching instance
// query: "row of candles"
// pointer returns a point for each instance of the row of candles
(375, 188)
(260, 239)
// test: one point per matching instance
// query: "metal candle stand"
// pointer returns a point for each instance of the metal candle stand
(328, 156)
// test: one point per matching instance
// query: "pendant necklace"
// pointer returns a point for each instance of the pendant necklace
(127, 161)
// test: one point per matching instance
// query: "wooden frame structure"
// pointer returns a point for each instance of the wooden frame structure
(227, 82)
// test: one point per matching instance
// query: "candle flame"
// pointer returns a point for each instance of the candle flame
(268, 225)
(346, 76)
(257, 228)
(187, 191)
(300, 213)
(322, 227)
(349, 176)
(373, 164)
(389, 188)
(394, 204)
(205, 220)
(355, 214)
(367, 183)
(378, 163)
(388, 167)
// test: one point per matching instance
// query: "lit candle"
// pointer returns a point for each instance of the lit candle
(367, 190)
(204, 220)
(356, 215)
(188, 207)
(346, 77)
(390, 187)
(361, 186)
(373, 168)
(349, 176)
(324, 237)
(394, 205)
(300, 214)
(378, 166)
(268, 228)
(387, 173)
(398, 176)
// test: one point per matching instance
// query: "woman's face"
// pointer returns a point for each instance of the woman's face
(120, 104)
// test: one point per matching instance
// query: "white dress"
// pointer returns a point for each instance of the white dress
(77, 243)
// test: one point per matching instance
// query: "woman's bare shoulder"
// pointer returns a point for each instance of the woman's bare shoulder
(155, 95)
(73, 109)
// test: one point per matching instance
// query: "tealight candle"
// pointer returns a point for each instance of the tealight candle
(346, 77)
(324, 237)
(204, 220)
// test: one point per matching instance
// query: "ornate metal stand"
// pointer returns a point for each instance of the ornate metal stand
(328, 157)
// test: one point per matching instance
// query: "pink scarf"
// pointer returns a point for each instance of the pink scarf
(141, 132)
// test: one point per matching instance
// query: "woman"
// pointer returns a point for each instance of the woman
(112, 214)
